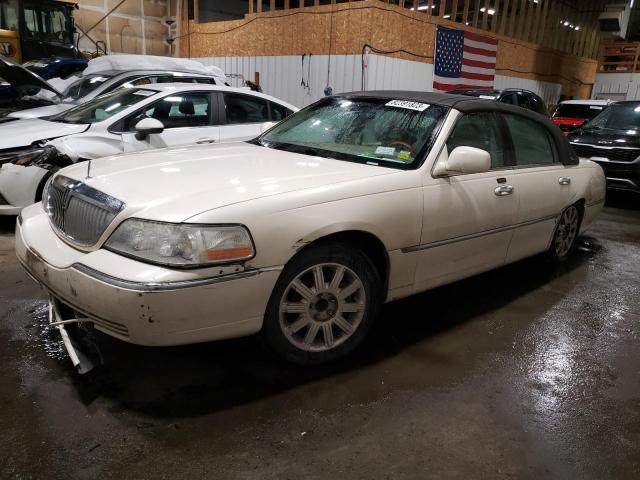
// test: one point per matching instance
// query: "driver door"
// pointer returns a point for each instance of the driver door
(188, 118)
(468, 217)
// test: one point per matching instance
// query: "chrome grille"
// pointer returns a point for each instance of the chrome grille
(79, 212)
(626, 155)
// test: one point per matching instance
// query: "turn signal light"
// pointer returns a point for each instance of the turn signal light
(215, 254)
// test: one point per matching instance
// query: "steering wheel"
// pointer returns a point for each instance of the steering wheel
(402, 144)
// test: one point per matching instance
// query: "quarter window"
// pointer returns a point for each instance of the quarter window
(479, 130)
(278, 112)
(245, 108)
(531, 141)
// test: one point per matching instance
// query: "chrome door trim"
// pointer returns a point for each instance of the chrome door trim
(472, 236)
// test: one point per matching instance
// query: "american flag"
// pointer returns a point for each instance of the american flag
(464, 60)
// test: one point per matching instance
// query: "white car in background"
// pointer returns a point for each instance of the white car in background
(126, 120)
(105, 74)
(302, 233)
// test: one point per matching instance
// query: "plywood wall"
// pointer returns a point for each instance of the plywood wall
(345, 28)
(135, 26)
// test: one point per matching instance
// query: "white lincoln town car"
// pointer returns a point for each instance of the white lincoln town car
(302, 233)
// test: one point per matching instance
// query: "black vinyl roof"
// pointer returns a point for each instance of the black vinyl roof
(466, 104)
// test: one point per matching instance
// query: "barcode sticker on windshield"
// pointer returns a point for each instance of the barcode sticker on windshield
(420, 107)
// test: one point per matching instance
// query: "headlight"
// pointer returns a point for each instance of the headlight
(181, 245)
(28, 157)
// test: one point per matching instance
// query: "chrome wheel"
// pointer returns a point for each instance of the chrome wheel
(322, 307)
(566, 231)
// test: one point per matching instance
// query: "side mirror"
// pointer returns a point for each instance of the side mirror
(148, 126)
(464, 160)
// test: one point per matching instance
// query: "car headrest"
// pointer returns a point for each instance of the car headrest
(186, 107)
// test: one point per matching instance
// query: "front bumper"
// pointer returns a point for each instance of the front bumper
(622, 176)
(146, 305)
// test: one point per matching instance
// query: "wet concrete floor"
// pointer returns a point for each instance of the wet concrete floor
(524, 372)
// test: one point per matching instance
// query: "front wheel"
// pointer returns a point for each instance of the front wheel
(565, 235)
(323, 304)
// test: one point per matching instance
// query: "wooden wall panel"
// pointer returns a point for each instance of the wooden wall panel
(389, 28)
(505, 17)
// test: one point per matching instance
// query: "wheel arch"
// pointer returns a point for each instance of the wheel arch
(363, 240)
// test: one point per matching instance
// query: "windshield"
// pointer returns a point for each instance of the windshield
(103, 107)
(618, 117)
(375, 131)
(84, 86)
(576, 110)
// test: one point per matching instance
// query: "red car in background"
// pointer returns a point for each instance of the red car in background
(572, 114)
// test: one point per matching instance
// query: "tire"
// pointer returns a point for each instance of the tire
(40, 189)
(308, 325)
(565, 234)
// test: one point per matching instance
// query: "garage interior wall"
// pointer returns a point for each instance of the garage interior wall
(273, 42)
(135, 26)
(282, 76)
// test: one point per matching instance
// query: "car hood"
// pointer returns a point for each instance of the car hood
(22, 79)
(40, 112)
(605, 137)
(178, 183)
(22, 133)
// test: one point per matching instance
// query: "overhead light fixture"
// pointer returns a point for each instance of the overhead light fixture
(566, 23)
(448, 15)
(423, 7)
(490, 11)
(577, 27)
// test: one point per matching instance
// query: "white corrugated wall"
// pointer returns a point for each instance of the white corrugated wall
(281, 76)
(617, 86)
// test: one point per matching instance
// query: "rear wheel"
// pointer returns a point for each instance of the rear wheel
(323, 304)
(565, 234)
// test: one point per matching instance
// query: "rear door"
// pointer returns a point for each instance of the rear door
(247, 116)
(542, 182)
(188, 118)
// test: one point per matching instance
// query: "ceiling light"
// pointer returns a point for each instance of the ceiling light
(491, 11)
(566, 23)
(448, 15)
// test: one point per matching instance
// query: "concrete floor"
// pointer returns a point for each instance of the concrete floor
(523, 372)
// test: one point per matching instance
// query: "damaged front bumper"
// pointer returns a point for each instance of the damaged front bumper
(137, 302)
(83, 361)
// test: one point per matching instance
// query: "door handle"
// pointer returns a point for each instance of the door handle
(205, 140)
(503, 190)
(564, 180)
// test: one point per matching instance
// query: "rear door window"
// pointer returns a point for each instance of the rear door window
(245, 108)
(531, 141)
